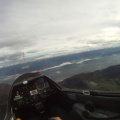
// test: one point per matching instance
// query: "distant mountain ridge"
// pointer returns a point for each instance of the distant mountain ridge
(106, 79)
(4, 91)
(54, 61)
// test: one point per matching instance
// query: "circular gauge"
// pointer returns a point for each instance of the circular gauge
(40, 84)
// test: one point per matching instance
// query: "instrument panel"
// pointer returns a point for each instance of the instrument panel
(31, 93)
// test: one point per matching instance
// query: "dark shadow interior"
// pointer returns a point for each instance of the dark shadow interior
(56, 105)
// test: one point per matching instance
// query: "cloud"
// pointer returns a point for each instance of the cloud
(48, 28)
(11, 57)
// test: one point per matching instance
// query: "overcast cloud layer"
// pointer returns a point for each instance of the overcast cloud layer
(44, 28)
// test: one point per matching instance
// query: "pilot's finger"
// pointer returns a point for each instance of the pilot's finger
(55, 118)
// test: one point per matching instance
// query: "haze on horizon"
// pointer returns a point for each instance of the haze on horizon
(46, 28)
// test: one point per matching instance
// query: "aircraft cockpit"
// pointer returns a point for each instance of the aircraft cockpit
(37, 97)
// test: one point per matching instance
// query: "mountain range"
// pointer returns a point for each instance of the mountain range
(106, 80)
(42, 64)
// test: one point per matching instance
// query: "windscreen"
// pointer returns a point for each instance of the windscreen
(76, 43)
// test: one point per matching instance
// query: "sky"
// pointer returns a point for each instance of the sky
(46, 28)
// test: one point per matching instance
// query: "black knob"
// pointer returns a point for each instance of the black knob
(90, 107)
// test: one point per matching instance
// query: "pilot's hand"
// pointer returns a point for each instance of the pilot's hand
(55, 118)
